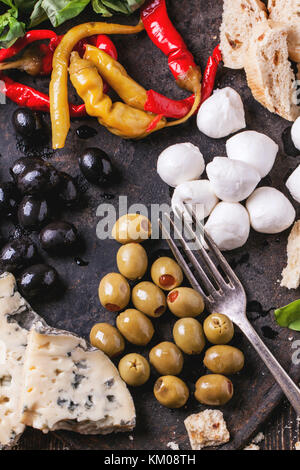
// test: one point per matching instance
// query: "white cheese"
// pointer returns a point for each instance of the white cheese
(270, 210)
(295, 132)
(254, 148)
(14, 312)
(293, 184)
(180, 163)
(198, 194)
(231, 180)
(228, 225)
(69, 385)
(221, 114)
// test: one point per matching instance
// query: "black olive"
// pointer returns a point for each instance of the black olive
(18, 254)
(68, 192)
(39, 280)
(96, 166)
(24, 121)
(32, 212)
(34, 176)
(9, 198)
(59, 237)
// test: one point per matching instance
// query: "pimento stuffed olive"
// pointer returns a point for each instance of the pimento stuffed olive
(131, 228)
(166, 273)
(185, 302)
(214, 390)
(114, 292)
(149, 299)
(224, 360)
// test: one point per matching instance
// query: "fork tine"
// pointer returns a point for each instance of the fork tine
(205, 257)
(232, 277)
(208, 285)
(180, 259)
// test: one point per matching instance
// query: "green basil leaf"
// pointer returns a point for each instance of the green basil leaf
(98, 7)
(59, 11)
(38, 15)
(289, 316)
(10, 27)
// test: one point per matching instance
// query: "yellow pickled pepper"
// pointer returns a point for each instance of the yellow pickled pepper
(119, 118)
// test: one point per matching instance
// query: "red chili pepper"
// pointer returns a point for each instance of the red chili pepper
(160, 104)
(210, 72)
(164, 35)
(28, 97)
(30, 37)
(154, 123)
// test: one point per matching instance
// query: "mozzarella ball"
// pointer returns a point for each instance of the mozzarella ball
(228, 225)
(293, 184)
(295, 132)
(270, 211)
(180, 163)
(198, 194)
(231, 180)
(221, 114)
(254, 148)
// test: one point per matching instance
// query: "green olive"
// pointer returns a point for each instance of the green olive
(107, 338)
(225, 360)
(166, 273)
(213, 390)
(171, 391)
(218, 328)
(134, 369)
(114, 292)
(131, 228)
(149, 299)
(132, 261)
(135, 326)
(166, 358)
(188, 335)
(185, 302)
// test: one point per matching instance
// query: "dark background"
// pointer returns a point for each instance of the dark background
(258, 264)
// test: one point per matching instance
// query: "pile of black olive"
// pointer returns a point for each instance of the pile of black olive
(32, 199)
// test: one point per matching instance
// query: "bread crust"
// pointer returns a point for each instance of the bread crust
(260, 76)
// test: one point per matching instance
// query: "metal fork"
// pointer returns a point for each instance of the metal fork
(228, 297)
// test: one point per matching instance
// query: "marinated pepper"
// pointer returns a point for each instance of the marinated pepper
(119, 118)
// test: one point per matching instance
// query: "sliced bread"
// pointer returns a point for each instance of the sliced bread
(291, 274)
(288, 12)
(269, 73)
(239, 17)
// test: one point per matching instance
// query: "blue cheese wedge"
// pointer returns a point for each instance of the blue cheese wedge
(16, 318)
(70, 385)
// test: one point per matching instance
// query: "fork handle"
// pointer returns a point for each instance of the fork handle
(290, 389)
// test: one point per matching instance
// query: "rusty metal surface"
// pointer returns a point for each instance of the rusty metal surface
(258, 264)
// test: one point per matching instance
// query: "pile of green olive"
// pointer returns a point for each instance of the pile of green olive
(151, 300)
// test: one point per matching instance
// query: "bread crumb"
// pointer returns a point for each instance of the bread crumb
(252, 447)
(259, 438)
(173, 446)
(297, 446)
(206, 429)
(291, 274)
